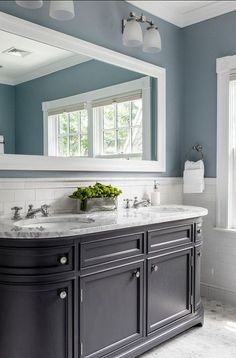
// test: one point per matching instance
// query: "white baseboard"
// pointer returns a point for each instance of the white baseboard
(216, 293)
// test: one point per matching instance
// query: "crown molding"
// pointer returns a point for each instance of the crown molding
(159, 9)
(43, 71)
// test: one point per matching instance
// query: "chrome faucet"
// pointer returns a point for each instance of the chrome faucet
(143, 202)
(16, 215)
(32, 212)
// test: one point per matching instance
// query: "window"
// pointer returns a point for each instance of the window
(70, 133)
(120, 128)
(106, 123)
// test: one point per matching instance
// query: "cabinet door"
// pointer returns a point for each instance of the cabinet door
(36, 321)
(111, 309)
(197, 294)
(169, 288)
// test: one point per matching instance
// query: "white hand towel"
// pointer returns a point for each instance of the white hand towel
(194, 165)
(193, 177)
(194, 174)
(1, 144)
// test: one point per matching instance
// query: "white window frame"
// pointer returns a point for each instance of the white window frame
(225, 191)
(51, 37)
(143, 84)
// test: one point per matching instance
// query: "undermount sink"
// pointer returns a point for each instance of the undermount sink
(162, 209)
(56, 223)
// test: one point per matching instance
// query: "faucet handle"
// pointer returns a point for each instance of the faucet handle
(16, 215)
(45, 210)
(127, 203)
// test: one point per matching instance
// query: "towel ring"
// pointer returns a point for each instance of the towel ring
(198, 148)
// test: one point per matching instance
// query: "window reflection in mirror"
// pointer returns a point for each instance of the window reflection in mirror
(58, 103)
(116, 123)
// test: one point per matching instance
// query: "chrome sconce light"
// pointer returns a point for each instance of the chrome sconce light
(133, 34)
(58, 9)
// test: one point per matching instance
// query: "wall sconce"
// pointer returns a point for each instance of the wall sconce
(59, 9)
(133, 34)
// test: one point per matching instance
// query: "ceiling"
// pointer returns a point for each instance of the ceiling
(42, 60)
(184, 13)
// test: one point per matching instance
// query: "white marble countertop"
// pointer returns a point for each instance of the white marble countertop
(69, 225)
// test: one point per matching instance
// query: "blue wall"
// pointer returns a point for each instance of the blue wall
(78, 79)
(100, 22)
(203, 43)
(7, 117)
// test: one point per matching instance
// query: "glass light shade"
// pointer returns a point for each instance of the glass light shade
(30, 4)
(62, 10)
(132, 35)
(152, 41)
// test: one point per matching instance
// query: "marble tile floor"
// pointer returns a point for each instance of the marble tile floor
(216, 339)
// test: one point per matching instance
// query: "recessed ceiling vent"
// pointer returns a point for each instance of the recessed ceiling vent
(13, 51)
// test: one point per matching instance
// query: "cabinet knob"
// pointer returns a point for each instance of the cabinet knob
(63, 295)
(154, 268)
(199, 254)
(63, 260)
(136, 274)
(199, 231)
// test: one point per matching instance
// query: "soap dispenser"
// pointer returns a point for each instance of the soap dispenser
(155, 195)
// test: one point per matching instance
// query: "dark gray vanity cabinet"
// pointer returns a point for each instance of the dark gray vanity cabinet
(36, 320)
(169, 287)
(111, 294)
(111, 309)
(197, 276)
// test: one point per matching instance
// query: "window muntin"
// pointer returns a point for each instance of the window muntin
(120, 128)
(71, 137)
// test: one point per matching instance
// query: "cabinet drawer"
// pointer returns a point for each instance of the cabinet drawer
(30, 261)
(111, 249)
(169, 237)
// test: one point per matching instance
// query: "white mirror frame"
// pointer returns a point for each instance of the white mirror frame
(39, 33)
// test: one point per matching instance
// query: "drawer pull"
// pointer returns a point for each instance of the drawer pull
(63, 295)
(136, 274)
(154, 268)
(63, 260)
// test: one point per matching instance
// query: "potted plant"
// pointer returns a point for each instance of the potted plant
(98, 197)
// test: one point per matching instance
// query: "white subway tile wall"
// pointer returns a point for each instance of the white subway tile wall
(219, 250)
(55, 192)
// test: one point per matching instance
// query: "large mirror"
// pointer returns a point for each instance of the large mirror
(61, 103)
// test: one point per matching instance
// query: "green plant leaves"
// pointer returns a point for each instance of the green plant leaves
(96, 191)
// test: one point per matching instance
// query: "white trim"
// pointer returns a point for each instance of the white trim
(131, 180)
(42, 34)
(44, 163)
(204, 12)
(224, 66)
